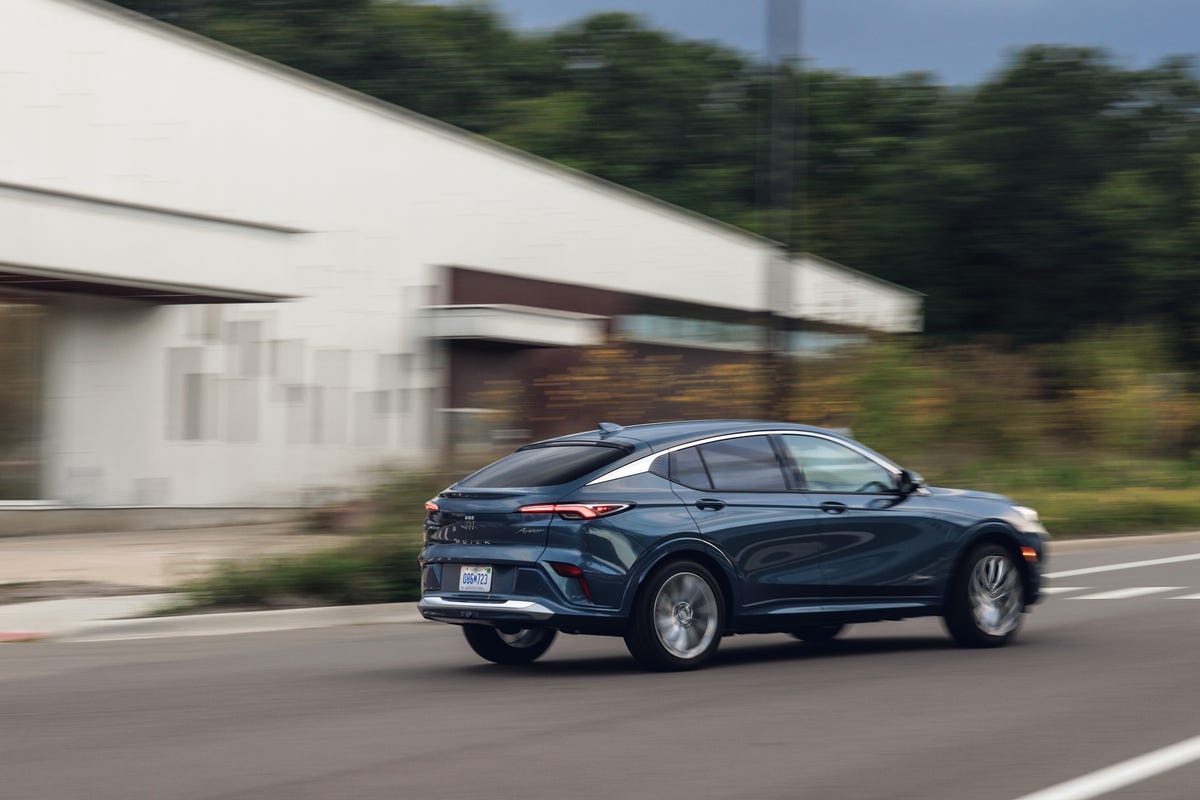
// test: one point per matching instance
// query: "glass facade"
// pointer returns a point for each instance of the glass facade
(690, 332)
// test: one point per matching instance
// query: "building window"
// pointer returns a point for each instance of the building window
(689, 332)
(21, 328)
(191, 396)
(822, 344)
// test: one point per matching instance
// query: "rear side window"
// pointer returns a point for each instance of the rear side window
(745, 464)
(688, 469)
(543, 466)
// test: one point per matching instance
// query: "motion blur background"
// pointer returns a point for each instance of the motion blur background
(225, 285)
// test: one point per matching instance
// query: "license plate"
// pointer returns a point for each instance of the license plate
(475, 579)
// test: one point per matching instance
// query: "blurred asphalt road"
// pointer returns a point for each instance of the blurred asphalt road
(407, 711)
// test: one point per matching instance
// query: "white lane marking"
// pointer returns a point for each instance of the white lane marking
(1187, 597)
(1132, 591)
(1154, 562)
(1063, 589)
(1123, 774)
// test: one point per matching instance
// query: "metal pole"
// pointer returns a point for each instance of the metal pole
(781, 196)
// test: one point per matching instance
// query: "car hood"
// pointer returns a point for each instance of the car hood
(941, 491)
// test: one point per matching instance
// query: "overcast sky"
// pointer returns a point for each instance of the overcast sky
(962, 41)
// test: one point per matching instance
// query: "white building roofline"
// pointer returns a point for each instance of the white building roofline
(345, 94)
(799, 257)
(28, 277)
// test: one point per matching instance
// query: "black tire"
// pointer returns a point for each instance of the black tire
(678, 618)
(987, 598)
(818, 633)
(523, 647)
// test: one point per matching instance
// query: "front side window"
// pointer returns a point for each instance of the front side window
(827, 466)
(744, 464)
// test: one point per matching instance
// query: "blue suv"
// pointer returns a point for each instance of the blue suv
(673, 535)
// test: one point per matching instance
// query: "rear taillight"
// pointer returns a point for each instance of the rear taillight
(576, 510)
(431, 506)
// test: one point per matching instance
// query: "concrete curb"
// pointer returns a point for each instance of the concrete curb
(240, 622)
(43, 619)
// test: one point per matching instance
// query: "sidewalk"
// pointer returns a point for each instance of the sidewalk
(159, 559)
(166, 558)
(107, 619)
(145, 559)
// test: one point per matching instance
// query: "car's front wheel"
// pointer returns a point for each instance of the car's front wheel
(520, 646)
(678, 618)
(986, 599)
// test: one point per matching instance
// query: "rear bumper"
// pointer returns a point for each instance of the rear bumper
(522, 612)
(465, 610)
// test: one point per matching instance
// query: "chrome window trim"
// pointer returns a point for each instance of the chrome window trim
(643, 464)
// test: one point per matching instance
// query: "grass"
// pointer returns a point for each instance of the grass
(379, 567)
(1101, 497)
(1075, 513)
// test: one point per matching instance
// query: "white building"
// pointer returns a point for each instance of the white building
(243, 274)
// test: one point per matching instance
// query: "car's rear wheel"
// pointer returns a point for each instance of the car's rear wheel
(986, 599)
(818, 633)
(515, 646)
(678, 618)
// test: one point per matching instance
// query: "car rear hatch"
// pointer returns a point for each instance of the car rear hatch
(478, 522)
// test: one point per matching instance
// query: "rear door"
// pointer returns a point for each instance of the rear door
(741, 497)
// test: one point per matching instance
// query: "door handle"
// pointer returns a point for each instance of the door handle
(710, 505)
(832, 507)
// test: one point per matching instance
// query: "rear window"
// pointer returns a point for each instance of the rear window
(543, 466)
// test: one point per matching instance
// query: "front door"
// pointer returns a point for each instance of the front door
(881, 544)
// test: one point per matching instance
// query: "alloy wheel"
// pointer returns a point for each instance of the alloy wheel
(995, 594)
(685, 615)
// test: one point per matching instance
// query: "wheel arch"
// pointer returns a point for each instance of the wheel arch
(689, 549)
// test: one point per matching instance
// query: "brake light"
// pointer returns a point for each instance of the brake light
(572, 571)
(576, 510)
(431, 506)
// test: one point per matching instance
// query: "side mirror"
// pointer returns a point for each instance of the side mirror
(908, 482)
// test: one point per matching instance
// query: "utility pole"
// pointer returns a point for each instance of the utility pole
(780, 194)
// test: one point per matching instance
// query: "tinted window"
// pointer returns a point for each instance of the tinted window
(830, 467)
(688, 469)
(747, 464)
(543, 466)
(661, 466)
